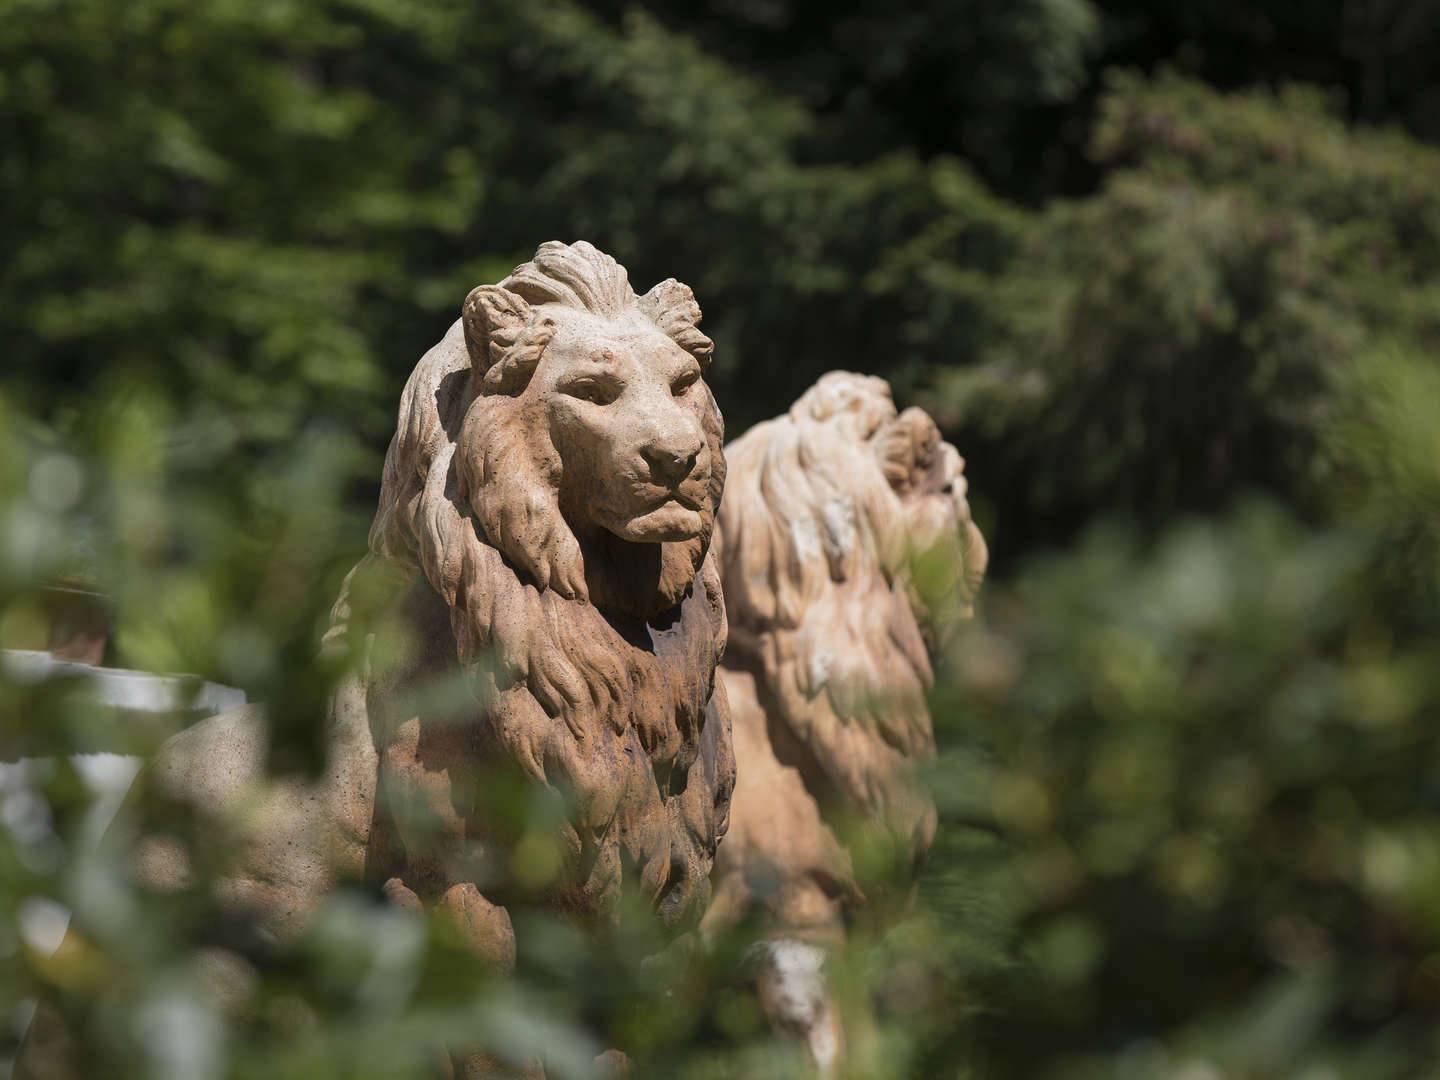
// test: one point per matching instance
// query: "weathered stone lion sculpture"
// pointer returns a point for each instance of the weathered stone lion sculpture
(546, 510)
(828, 512)
(554, 480)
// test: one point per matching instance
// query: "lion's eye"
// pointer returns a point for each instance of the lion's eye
(596, 391)
(683, 384)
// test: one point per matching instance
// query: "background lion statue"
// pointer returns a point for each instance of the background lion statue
(543, 537)
(847, 549)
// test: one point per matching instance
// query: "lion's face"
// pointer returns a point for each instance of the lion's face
(840, 512)
(946, 550)
(624, 406)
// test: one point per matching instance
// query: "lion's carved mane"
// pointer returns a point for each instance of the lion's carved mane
(595, 675)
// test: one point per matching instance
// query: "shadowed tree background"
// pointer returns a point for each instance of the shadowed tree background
(1169, 275)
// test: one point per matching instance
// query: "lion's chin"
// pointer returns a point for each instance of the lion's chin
(668, 523)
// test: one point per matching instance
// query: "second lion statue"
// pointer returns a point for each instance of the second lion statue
(544, 530)
(848, 551)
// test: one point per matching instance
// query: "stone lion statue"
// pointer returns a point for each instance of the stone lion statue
(847, 550)
(543, 537)
(554, 482)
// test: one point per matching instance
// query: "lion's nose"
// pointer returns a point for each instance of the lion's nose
(669, 464)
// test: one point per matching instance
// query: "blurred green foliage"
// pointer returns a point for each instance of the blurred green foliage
(1181, 318)
(1187, 332)
(1204, 790)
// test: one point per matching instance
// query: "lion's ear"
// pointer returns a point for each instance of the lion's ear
(494, 320)
(673, 308)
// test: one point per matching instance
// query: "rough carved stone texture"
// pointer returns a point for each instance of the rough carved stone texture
(544, 537)
(832, 513)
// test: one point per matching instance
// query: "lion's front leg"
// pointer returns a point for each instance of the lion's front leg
(421, 851)
(485, 931)
(796, 997)
(467, 920)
